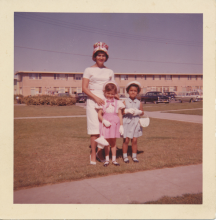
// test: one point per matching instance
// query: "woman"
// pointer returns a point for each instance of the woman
(94, 78)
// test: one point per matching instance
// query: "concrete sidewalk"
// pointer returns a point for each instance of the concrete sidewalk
(175, 117)
(157, 114)
(126, 188)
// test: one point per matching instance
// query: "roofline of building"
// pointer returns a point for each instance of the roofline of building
(53, 72)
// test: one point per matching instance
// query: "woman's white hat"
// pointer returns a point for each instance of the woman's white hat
(112, 82)
(133, 82)
(100, 46)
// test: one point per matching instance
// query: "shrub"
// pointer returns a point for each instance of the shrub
(48, 100)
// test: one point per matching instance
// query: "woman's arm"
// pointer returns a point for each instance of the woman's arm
(100, 115)
(85, 89)
(141, 108)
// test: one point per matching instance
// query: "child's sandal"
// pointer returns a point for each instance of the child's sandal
(135, 160)
(106, 163)
(115, 163)
(126, 160)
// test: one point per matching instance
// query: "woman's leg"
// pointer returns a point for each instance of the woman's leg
(93, 147)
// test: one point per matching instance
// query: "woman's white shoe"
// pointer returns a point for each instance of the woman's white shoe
(92, 162)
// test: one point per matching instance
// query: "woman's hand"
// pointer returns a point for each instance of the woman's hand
(99, 101)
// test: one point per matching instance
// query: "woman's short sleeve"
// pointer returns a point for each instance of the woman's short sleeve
(120, 104)
(86, 73)
(112, 76)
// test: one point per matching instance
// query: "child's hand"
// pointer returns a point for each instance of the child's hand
(106, 123)
(129, 111)
(137, 112)
(121, 130)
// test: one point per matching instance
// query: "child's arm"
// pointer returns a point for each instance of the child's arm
(100, 117)
(120, 116)
(121, 129)
(141, 108)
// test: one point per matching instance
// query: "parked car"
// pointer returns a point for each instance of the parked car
(63, 94)
(193, 96)
(155, 97)
(171, 95)
(81, 97)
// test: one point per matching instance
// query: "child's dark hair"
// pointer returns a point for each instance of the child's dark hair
(100, 51)
(135, 85)
(110, 87)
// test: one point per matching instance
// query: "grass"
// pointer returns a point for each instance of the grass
(48, 151)
(172, 106)
(47, 110)
(184, 199)
(187, 112)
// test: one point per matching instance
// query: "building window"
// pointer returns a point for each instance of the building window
(144, 77)
(38, 90)
(40, 76)
(124, 77)
(135, 77)
(189, 77)
(157, 77)
(60, 76)
(73, 90)
(179, 77)
(153, 77)
(168, 77)
(196, 77)
(78, 76)
(56, 90)
(201, 77)
(33, 75)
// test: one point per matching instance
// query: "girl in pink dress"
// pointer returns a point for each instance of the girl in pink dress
(110, 117)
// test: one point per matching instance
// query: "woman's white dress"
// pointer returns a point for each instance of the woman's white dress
(97, 77)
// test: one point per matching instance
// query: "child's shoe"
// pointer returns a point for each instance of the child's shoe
(115, 163)
(126, 160)
(135, 160)
(106, 163)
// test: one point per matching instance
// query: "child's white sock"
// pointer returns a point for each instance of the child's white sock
(134, 155)
(113, 158)
(107, 158)
(124, 155)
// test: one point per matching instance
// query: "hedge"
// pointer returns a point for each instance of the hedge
(48, 100)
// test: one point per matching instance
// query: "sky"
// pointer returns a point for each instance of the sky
(138, 42)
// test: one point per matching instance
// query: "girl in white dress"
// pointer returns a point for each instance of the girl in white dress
(94, 78)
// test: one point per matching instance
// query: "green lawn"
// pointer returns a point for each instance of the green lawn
(187, 112)
(47, 110)
(172, 106)
(48, 151)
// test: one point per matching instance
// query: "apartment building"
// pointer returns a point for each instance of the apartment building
(48, 83)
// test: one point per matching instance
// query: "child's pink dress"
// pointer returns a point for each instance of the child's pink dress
(110, 113)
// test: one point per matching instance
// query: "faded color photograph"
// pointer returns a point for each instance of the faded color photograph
(108, 108)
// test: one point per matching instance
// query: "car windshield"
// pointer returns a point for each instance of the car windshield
(158, 93)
